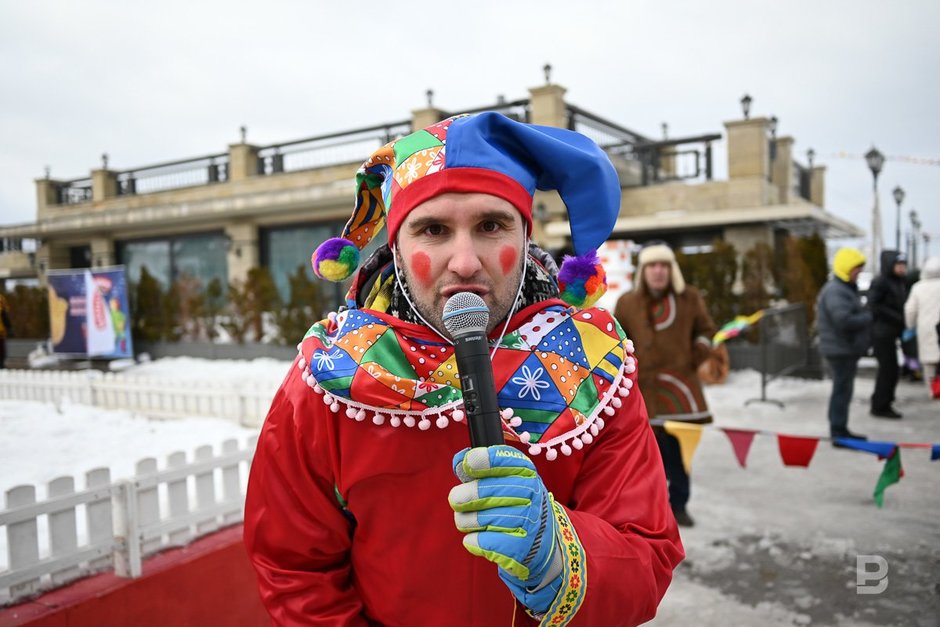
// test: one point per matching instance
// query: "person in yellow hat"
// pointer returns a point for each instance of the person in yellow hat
(844, 327)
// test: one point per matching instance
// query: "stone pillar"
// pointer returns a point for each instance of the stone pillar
(817, 185)
(547, 106)
(47, 194)
(243, 251)
(748, 148)
(242, 161)
(547, 207)
(781, 172)
(50, 257)
(423, 118)
(102, 252)
(103, 184)
(667, 162)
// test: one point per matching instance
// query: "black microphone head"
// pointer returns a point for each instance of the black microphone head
(465, 312)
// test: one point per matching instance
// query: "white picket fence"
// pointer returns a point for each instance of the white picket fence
(71, 534)
(244, 402)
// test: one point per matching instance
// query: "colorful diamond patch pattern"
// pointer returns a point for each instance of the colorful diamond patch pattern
(557, 374)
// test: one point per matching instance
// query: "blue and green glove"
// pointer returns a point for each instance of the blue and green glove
(508, 516)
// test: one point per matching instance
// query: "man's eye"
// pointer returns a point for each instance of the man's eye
(434, 229)
(490, 226)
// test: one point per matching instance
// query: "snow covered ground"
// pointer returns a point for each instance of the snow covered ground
(773, 545)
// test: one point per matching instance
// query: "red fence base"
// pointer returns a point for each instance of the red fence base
(206, 583)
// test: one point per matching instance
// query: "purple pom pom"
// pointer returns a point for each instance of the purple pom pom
(335, 259)
(582, 280)
(575, 268)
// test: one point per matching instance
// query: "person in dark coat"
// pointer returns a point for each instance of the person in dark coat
(844, 327)
(886, 298)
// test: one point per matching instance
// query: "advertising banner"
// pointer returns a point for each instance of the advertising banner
(89, 313)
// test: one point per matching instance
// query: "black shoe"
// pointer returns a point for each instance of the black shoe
(846, 434)
(888, 412)
(683, 518)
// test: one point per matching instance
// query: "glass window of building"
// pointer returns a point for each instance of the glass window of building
(201, 256)
(154, 254)
(284, 249)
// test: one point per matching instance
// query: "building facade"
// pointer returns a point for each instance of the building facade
(219, 215)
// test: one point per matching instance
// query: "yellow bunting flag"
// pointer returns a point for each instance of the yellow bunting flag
(688, 435)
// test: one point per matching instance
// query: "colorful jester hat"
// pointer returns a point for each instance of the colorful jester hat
(493, 154)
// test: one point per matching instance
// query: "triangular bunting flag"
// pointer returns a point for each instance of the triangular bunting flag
(795, 450)
(688, 436)
(735, 327)
(935, 453)
(890, 474)
(881, 449)
(741, 440)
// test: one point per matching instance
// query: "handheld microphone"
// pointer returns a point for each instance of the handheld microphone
(466, 317)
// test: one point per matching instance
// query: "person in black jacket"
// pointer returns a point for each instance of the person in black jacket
(886, 298)
(843, 324)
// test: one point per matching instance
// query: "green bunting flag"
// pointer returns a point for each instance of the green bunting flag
(890, 474)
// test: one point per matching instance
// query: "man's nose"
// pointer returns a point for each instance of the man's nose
(464, 260)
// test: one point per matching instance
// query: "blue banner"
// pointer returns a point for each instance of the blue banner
(89, 313)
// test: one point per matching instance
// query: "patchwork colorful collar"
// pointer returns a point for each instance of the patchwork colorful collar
(556, 373)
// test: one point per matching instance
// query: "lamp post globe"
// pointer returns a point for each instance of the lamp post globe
(875, 161)
(746, 106)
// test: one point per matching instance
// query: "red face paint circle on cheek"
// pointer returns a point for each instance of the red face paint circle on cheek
(421, 267)
(508, 258)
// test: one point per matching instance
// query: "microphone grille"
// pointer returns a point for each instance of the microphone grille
(465, 311)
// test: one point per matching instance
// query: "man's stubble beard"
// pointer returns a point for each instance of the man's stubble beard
(432, 310)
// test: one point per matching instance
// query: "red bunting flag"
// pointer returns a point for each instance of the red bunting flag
(796, 450)
(741, 440)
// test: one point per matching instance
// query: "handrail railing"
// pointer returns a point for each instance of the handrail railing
(606, 133)
(173, 175)
(74, 192)
(783, 335)
(328, 149)
(663, 160)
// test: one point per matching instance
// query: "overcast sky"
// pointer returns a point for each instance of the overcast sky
(160, 81)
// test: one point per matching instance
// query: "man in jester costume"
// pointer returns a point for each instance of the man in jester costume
(365, 505)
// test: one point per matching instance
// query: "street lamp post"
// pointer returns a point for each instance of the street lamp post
(875, 161)
(915, 228)
(746, 106)
(773, 138)
(898, 198)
